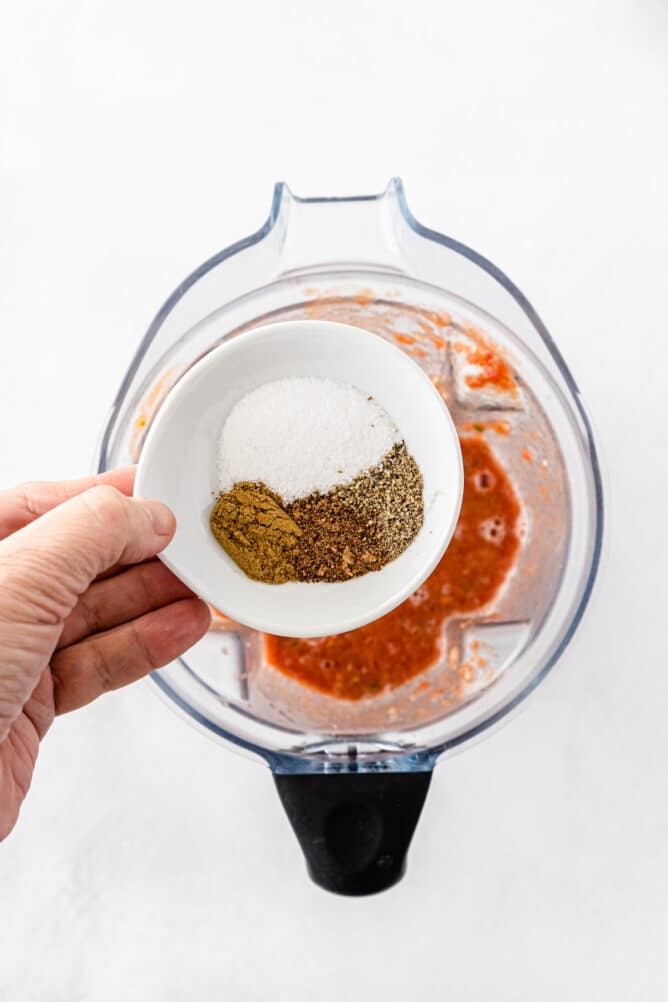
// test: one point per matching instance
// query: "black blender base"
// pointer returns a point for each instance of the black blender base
(354, 828)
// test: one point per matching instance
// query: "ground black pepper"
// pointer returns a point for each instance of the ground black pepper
(360, 526)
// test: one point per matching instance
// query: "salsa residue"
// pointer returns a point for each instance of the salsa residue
(402, 644)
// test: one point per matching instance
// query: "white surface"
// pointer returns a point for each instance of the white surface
(186, 429)
(149, 864)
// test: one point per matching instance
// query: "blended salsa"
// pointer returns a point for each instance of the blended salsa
(402, 644)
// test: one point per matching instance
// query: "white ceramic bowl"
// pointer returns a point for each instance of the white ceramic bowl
(179, 465)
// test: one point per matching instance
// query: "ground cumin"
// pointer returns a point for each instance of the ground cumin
(251, 525)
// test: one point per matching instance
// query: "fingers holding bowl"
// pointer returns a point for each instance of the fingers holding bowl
(110, 660)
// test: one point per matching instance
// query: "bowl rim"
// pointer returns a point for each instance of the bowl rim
(443, 530)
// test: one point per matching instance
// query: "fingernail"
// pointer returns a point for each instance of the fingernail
(162, 518)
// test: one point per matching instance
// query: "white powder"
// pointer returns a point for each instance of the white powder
(303, 435)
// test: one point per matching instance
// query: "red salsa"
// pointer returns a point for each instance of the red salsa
(395, 648)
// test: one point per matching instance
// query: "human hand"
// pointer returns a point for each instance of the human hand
(84, 608)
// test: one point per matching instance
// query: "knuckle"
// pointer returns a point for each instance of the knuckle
(144, 580)
(102, 668)
(145, 650)
(90, 614)
(59, 688)
(108, 524)
(17, 508)
(25, 498)
(104, 496)
(107, 505)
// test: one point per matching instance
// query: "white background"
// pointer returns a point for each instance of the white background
(138, 138)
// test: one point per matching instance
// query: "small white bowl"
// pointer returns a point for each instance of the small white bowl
(179, 465)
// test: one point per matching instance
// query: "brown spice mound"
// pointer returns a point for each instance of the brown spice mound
(255, 530)
(335, 544)
(391, 496)
(360, 526)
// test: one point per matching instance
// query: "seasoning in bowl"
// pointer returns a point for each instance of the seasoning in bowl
(316, 484)
(252, 526)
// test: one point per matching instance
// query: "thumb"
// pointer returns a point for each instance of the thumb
(45, 566)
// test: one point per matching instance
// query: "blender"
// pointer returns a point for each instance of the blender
(353, 774)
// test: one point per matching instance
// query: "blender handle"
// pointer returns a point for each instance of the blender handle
(354, 828)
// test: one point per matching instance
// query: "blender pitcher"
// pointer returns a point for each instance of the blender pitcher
(353, 774)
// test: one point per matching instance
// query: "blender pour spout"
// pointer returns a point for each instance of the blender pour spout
(354, 827)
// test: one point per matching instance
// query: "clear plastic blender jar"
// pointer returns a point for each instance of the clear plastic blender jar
(353, 774)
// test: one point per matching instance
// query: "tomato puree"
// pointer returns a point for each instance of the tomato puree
(400, 645)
